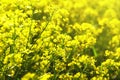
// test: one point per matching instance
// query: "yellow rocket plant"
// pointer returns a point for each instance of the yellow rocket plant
(59, 40)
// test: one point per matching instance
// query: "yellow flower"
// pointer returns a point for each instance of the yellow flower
(28, 76)
(77, 75)
(45, 76)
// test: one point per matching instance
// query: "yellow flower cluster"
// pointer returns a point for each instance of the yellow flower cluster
(59, 40)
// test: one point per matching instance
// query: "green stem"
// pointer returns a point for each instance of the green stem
(44, 27)
(13, 37)
(29, 37)
(94, 52)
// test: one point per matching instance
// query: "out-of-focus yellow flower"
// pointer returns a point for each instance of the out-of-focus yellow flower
(28, 76)
(45, 76)
(77, 75)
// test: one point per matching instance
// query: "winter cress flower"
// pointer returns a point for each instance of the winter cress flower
(59, 40)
